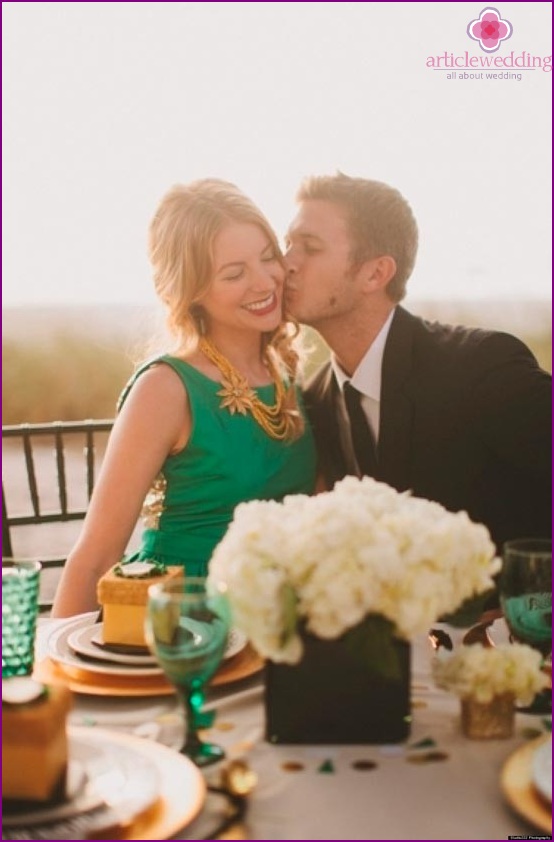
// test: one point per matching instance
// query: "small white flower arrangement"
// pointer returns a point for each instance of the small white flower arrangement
(325, 563)
(481, 673)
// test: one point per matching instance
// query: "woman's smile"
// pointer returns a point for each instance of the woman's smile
(263, 305)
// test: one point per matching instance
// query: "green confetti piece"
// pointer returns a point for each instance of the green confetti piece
(327, 767)
(547, 724)
(427, 742)
(88, 721)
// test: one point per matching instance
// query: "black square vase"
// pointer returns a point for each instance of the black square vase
(331, 696)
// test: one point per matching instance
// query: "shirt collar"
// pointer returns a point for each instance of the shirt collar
(367, 377)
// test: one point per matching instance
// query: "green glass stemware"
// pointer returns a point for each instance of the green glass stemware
(186, 628)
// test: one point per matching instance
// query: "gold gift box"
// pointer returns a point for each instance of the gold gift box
(123, 600)
(34, 747)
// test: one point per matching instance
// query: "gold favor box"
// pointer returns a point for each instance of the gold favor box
(34, 747)
(123, 600)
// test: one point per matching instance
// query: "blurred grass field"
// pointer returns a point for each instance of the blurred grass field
(69, 367)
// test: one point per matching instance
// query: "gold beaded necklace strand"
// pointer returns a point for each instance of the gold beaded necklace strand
(238, 396)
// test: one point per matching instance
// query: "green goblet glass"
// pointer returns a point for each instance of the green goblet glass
(526, 599)
(187, 625)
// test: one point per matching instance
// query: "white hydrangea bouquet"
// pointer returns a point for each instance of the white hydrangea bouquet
(483, 673)
(361, 553)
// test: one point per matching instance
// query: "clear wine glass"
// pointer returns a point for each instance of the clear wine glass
(526, 599)
(187, 625)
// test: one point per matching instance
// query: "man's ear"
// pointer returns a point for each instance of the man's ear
(377, 273)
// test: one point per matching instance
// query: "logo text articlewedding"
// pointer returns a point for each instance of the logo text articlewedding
(465, 61)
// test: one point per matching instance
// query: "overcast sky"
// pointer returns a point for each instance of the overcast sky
(106, 105)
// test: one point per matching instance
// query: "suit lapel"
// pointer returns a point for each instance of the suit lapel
(396, 411)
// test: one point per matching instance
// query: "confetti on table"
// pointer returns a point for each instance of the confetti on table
(169, 718)
(224, 726)
(417, 703)
(327, 767)
(364, 765)
(241, 748)
(292, 766)
(428, 757)
(426, 742)
(547, 724)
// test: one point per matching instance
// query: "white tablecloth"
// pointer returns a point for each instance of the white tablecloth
(456, 798)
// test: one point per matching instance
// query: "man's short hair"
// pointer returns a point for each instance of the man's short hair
(380, 221)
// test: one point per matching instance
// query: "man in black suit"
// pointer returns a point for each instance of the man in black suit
(457, 415)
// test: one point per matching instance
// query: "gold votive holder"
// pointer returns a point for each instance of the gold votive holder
(492, 720)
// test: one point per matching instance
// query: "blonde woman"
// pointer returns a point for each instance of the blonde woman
(215, 422)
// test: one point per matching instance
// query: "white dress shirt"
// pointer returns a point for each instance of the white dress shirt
(367, 380)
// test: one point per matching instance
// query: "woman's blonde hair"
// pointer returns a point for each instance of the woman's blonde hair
(181, 250)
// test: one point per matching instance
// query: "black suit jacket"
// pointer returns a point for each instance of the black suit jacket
(465, 419)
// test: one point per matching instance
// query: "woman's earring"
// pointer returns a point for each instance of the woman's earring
(198, 315)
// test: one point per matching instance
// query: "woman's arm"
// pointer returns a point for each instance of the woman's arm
(154, 422)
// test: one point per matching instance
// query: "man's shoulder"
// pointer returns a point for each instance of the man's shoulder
(440, 333)
(460, 341)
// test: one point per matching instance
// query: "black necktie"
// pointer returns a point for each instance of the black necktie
(362, 435)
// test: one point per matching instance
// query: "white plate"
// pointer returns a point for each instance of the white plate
(542, 770)
(83, 642)
(121, 779)
(236, 641)
(58, 650)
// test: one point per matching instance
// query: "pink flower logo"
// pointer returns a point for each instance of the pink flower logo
(489, 29)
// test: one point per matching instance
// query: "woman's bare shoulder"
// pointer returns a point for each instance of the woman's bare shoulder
(157, 393)
(159, 381)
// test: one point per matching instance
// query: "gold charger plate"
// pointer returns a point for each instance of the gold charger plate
(243, 665)
(99, 684)
(182, 787)
(517, 785)
(246, 663)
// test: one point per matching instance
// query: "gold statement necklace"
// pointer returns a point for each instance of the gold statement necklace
(238, 396)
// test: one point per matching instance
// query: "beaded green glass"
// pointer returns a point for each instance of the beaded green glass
(20, 583)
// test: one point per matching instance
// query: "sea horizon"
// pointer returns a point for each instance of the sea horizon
(122, 321)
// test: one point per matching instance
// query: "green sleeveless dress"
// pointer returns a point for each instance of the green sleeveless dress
(228, 459)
